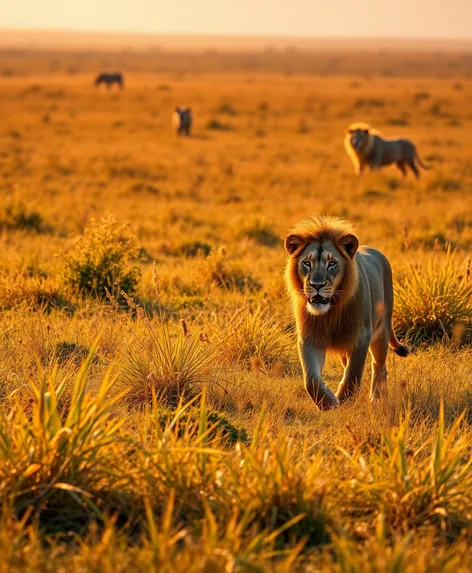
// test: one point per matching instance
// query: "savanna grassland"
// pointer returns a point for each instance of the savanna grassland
(153, 414)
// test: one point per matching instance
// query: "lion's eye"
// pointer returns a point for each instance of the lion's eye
(332, 264)
(306, 265)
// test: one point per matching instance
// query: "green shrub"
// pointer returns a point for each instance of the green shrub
(420, 96)
(217, 125)
(261, 233)
(434, 302)
(105, 257)
(398, 121)
(444, 183)
(227, 275)
(191, 249)
(227, 108)
(65, 351)
(303, 127)
(17, 215)
(365, 102)
(218, 425)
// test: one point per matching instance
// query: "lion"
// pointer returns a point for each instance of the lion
(182, 120)
(367, 148)
(342, 297)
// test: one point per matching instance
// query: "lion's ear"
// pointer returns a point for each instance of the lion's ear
(367, 131)
(350, 244)
(293, 243)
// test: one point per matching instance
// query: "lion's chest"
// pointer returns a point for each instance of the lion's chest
(337, 332)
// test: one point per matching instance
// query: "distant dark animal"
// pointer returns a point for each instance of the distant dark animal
(110, 79)
(182, 120)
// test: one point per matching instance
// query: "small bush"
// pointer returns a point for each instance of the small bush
(226, 108)
(261, 233)
(418, 97)
(397, 121)
(436, 110)
(227, 275)
(218, 425)
(303, 127)
(436, 240)
(191, 249)
(217, 125)
(17, 215)
(263, 106)
(363, 102)
(434, 303)
(104, 258)
(443, 183)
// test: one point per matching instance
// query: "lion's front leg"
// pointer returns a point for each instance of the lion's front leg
(351, 382)
(359, 168)
(312, 360)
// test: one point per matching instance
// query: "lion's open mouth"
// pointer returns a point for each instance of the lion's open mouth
(318, 299)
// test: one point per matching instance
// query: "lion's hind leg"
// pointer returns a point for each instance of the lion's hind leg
(401, 165)
(378, 351)
(412, 166)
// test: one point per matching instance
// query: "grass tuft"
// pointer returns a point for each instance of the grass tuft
(169, 364)
(60, 464)
(258, 342)
(433, 302)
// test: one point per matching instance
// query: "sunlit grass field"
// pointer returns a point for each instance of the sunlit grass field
(152, 410)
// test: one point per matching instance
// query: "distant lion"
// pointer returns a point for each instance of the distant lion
(367, 148)
(182, 120)
(342, 297)
(110, 79)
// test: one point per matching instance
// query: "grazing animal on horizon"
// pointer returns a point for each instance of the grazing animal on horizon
(342, 297)
(182, 120)
(110, 79)
(367, 148)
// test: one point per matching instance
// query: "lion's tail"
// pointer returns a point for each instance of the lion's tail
(420, 162)
(395, 345)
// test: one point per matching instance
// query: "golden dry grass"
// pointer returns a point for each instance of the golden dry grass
(387, 488)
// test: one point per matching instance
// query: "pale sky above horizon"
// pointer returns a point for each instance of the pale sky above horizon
(364, 18)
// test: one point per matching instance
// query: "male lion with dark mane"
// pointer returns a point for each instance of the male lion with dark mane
(342, 297)
(367, 148)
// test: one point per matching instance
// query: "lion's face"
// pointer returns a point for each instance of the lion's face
(359, 138)
(321, 268)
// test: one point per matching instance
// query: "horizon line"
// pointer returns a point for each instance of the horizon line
(234, 36)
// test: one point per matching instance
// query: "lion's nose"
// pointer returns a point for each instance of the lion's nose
(318, 286)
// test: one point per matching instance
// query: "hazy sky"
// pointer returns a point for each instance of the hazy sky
(413, 18)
